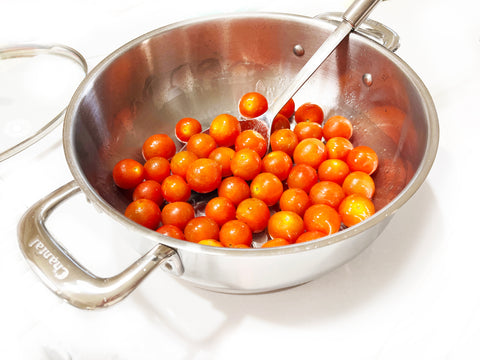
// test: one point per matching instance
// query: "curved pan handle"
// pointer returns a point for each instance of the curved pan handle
(369, 28)
(65, 276)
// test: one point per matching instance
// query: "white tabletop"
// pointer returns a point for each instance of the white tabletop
(413, 294)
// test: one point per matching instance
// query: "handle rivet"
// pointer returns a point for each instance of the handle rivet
(298, 50)
(367, 79)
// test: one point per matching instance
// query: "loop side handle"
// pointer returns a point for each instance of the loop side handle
(63, 274)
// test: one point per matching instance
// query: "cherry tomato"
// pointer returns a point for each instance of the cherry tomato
(181, 161)
(223, 156)
(286, 225)
(335, 170)
(221, 210)
(295, 200)
(211, 242)
(128, 173)
(280, 122)
(321, 217)
(267, 187)
(309, 112)
(235, 232)
(277, 163)
(186, 127)
(246, 164)
(149, 189)
(328, 193)
(358, 182)
(252, 104)
(235, 189)
(160, 145)
(337, 126)
(175, 188)
(284, 140)
(275, 242)
(355, 208)
(309, 236)
(255, 213)
(302, 177)
(144, 212)
(362, 158)
(201, 228)
(306, 130)
(288, 109)
(201, 145)
(251, 139)
(224, 129)
(177, 213)
(338, 148)
(310, 152)
(204, 175)
(157, 168)
(172, 231)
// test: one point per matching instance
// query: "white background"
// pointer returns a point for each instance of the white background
(413, 294)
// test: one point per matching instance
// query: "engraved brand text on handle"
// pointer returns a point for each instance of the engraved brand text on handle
(59, 270)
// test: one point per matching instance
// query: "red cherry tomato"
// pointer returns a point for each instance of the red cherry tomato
(178, 213)
(310, 152)
(144, 212)
(128, 173)
(252, 104)
(201, 228)
(267, 187)
(235, 232)
(160, 145)
(277, 163)
(337, 126)
(181, 161)
(156, 168)
(284, 140)
(204, 175)
(149, 189)
(321, 217)
(175, 188)
(359, 182)
(221, 210)
(172, 231)
(280, 122)
(235, 189)
(355, 208)
(309, 236)
(275, 242)
(362, 158)
(328, 193)
(288, 109)
(186, 128)
(224, 129)
(255, 213)
(335, 170)
(286, 225)
(307, 129)
(251, 139)
(223, 156)
(295, 200)
(246, 164)
(201, 145)
(338, 148)
(302, 177)
(309, 112)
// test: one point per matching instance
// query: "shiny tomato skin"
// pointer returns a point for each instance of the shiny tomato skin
(337, 126)
(157, 168)
(355, 208)
(309, 112)
(201, 228)
(171, 231)
(295, 200)
(275, 243)
(338, 148)
(144, 212)
(149, 189)
(224, 129)
(277, 163)
(251, 139)
(307, 130)
(186, 128)
(159, 145)
(280, 122)
(288, 109)
(266, 187)
(311, 152)
(286, 225)
(246, 164)
(252, 104)
(284, 140)
(201, 145)
(175, 188)
(335, 170)
(181, 161)
(303, 177)
(128, 173)
(255, 213)
(221, 210)
(328, 193)
(309, 236)
(204, 175)
(235, 232)
(321, 217)
(177, 213)
(235, 189)
(359, 182)
(223, 156)
(362, 158)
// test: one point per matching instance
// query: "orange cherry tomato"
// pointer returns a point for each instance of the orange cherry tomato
(181, 161)
(149, 189)
(295, 200)
(362, 158)
(255, 213)
(160, 145)
(284, 140)
(221, 210)
(128, 173)
(235, 189)
(175, 188)
(275, 242)
(309, 112)
(251, 139)
(288, 109)
(321, 217)
(201, 228)
(177, 213)
(355, 208)
(201, 145)
(204, 175)
(246, 164)
(235, 232)
(358, 182)
(335, 170)
(337, 126)
(328, 193)
(280, 122)
(303, 177)
(286, 225)
(267, 187)
(309, 236)
(307, 129)
(277, 163)
(156, 168)
(172, 231)
(310, 152)
(224, 129)
(144, 212)
(223, 156)
(186, 127)
(252, 104)
(338, 148)
(211, 242)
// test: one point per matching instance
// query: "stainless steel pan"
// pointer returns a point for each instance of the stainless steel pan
(200, 68)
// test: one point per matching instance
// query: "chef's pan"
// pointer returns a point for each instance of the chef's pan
(200, 68)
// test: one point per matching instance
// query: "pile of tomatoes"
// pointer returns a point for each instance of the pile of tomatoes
(313, 182)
